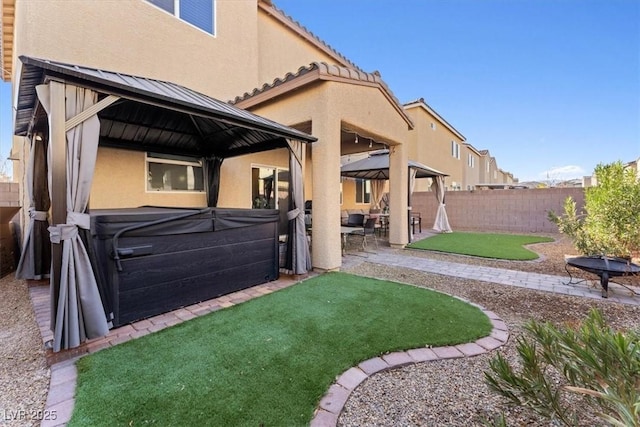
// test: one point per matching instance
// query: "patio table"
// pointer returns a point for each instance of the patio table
(345, 231)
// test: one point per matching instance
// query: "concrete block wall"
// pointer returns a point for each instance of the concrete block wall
(9, 206)
(515, 210)
(9, 194)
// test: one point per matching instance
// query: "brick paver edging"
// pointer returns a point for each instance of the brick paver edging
(61, 397)
(331, 405)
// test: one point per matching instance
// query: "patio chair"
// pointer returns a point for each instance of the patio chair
(369, 229)
(355, 220)
(416, 219)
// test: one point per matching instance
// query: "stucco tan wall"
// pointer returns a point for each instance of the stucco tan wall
(120, 181)
(521, 210)
(471, 174)
(235, 176)
(349, 196)
(483, 171)
(135, 37)
(434, 147)
(366, 108)
(281, 52)
(421, 140)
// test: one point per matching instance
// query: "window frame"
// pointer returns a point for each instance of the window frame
(455, 150)
(176, 13)
(365, 190)
(159, 160)
(276, 184)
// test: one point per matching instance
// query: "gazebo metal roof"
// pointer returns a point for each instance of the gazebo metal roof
(376, 166)
(154, 115)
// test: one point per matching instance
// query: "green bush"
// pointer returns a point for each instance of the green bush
(610, 225)
(574, 375)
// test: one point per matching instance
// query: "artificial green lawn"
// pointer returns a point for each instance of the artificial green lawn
(267, 361)
(486, 245)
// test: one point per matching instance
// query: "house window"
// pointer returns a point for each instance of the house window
(433, 126)
(363, 191)
(472, 161)
(455, 149)
(270, 190)
(199, 13)
(167, 172)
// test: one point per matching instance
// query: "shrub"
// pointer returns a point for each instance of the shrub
(573, 375)
(610, 225)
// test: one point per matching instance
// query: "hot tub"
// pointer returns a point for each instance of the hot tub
(151, 260)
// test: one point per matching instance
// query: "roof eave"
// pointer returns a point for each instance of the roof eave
(58, 72)
(268, 7)
(313, 75)
(422, 104)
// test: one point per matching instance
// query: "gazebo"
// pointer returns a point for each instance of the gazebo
(65, 111)
(376, 168)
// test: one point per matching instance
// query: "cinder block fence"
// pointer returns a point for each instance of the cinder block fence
(9, 206)
(513, 210)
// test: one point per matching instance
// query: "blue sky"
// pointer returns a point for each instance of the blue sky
(547, 86)
(550, 87)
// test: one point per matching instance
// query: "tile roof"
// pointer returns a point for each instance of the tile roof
(422, 103)
(269, 7)
(318, 71)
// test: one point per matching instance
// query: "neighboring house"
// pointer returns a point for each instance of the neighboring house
(435, 143)
(494, 177)
(634, 165)
(472, 167)
(484, 170)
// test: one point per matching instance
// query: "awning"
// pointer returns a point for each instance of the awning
(75, 109)
(154, 115)
(376, 166)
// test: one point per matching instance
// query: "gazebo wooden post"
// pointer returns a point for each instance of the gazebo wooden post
(58, 143)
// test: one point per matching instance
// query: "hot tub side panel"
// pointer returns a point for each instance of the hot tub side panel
(175, 270)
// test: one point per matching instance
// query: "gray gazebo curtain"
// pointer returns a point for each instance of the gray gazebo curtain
(441, 223)
(35, 260)
(79, 313)
(211, 167)
(377, 191)
(412, 184)
(298, 256)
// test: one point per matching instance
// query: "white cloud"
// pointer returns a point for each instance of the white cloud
(561, 173)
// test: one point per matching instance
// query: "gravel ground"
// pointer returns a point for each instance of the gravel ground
(453, 392)
(448, 392)
(24, 375)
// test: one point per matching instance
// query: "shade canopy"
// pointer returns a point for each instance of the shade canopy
(376, 166)
(154, 115)
(74, 109)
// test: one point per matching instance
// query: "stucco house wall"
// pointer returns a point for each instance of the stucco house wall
(471, 168)
(432, 145)
(280, 51)
(135, 37)
(146, 41)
